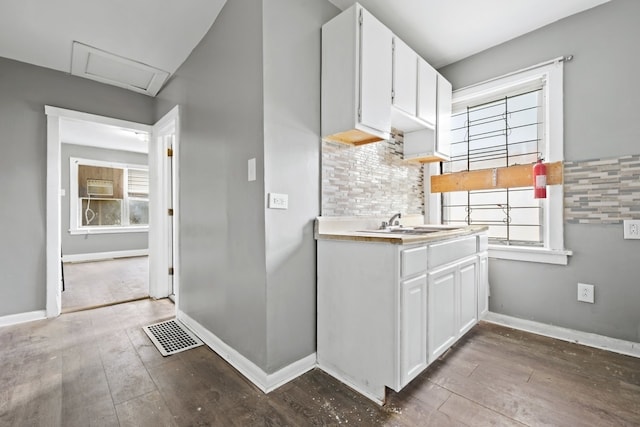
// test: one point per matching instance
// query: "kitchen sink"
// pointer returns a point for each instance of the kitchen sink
(417, 230)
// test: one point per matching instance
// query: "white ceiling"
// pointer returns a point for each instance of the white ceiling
(445, 31)
(159, 33)
(162, 33)
(81, 132)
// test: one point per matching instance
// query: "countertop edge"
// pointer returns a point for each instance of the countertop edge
(359, 236)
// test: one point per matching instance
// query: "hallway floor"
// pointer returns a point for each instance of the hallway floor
(98, 368)
(97, 283)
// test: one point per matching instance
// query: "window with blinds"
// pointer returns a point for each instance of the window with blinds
(503, 131)
(138, 183)
(138, 196)
(107, 196)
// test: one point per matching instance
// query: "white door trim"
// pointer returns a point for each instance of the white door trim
(160, 221)
(53, 246)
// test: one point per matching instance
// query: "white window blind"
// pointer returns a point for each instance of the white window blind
(138, 183)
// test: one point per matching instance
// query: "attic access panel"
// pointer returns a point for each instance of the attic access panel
(105, 67)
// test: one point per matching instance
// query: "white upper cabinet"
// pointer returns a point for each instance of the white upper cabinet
(375, 73)
(433, 145)
(427, 90)
(356, 78)
(405, 77)
(372, 82)
(443, 139)
(414, 90)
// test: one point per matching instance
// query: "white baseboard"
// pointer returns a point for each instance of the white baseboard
(602, 342)
(100, 256)
(265, 382)
(13, 319)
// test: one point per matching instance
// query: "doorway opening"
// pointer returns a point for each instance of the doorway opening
(104, 214)
(112, 218)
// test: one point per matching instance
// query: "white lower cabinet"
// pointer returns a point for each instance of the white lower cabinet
(413, 328)
(442, 311)
(453, 304)
(385, 312)
(483, 285)
(468, 285)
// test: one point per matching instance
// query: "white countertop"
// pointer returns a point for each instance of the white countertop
(365, 229)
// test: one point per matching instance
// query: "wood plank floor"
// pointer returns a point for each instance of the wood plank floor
(97, 367)
(92, 284)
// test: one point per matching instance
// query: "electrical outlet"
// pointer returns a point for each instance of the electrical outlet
(631, 229)
(586, 293)
(278, 201)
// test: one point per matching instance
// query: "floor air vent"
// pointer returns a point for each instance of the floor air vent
(171, 337)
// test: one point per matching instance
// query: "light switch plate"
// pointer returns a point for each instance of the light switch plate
(631, 229)
(278, 201)
(251, 169)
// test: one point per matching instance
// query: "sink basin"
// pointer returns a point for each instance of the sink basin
(417, 230)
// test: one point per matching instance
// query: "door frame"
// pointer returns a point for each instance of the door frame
(53, 270)
(160, 221)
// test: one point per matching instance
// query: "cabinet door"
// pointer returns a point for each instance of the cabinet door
(442, 311)
(427, 84)
(405, 77)
(468, 277)
(413, 327)
(483, 286)
(443, 138)
(375, 73)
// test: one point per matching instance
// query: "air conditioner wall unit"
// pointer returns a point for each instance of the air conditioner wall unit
(99, 187)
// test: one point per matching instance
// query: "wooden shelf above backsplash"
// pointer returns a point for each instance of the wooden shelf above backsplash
(506, 177)
(353, 137)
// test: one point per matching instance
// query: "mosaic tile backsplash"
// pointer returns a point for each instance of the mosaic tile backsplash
(370, 179)
(603, 191)
(373, 180)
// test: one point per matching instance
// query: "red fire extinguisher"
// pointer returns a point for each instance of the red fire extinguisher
(539, 180)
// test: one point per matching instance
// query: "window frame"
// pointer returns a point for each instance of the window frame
(75, 221)
(551, 73)
(487, 144)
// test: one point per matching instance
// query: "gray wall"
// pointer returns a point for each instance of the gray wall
(91, 243)
(222, 231)
(24, 91)
(292, 166)
(601, 121)
(251, 89)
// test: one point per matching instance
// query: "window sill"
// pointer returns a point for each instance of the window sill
(118, 230)
(523, 253)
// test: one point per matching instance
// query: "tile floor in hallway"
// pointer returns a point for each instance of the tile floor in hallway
(98, 368)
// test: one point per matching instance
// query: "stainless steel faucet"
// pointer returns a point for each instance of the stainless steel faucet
(386, 224)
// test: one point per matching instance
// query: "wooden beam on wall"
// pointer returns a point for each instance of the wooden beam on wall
(486, 179)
